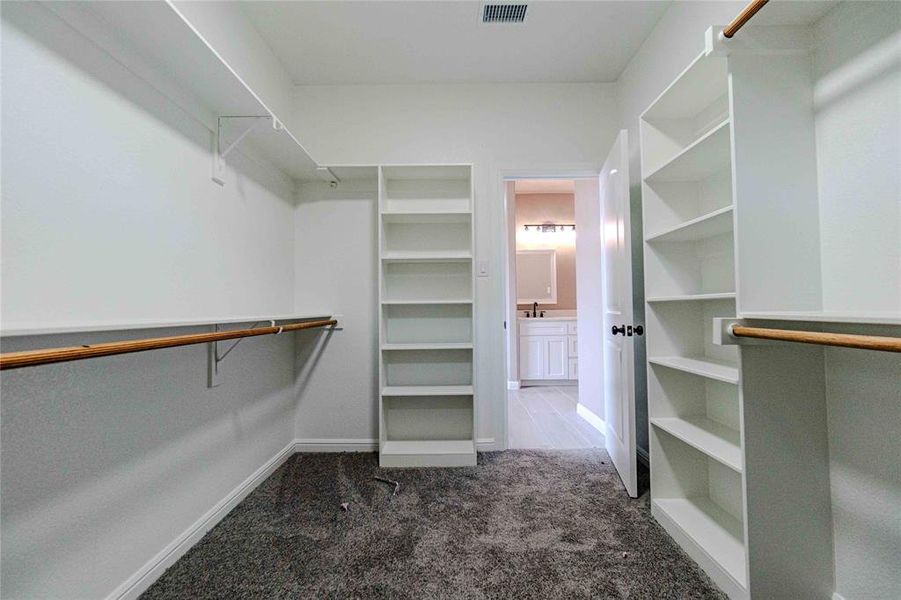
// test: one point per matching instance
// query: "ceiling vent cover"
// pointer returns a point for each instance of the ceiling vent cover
(504, 13)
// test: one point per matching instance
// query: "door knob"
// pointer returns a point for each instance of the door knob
(621, 329)
(639, 330)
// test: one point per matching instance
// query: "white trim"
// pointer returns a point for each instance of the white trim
(336, 445)
(837, 596)
(144, 577)
(591, 418)
(513, 385)
(487, 445)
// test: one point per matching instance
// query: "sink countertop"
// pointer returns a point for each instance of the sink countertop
(523, 319)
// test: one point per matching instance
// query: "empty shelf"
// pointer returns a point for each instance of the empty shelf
(434, 301)
(715, 531)
(693, 297)
(429, 346)
(713, 439)
(427, 256)
(427, 390)
(709, 225)
(704, 367)
(700, 160)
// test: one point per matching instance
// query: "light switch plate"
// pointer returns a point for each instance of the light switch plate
(483, 268)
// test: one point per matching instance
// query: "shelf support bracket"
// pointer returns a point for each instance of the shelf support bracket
(220, 154)
(214, 358)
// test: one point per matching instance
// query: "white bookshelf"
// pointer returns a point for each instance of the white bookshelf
(694, 396)
(426, 334)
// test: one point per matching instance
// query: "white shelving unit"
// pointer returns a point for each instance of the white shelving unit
(426, 295)
(753, 445)
(694, 400)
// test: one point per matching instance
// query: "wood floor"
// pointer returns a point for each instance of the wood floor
(545, 417)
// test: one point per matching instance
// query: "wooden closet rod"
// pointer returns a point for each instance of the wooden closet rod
(32, 358)
(845, 340)
(743, 17)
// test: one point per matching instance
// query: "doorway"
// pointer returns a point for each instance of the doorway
(555, 386)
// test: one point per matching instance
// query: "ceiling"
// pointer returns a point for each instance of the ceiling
(341, 42)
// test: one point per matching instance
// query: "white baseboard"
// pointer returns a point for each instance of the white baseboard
(135, 585)
(837, 596)
(335, 445)
(512, 385)
(591, 418)
(486, 445)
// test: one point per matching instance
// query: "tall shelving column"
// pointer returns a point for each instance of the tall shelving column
(694, 396)
(426, 327)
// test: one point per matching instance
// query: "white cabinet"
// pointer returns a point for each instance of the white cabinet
(547, 350)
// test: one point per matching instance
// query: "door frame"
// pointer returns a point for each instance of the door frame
(509, 251)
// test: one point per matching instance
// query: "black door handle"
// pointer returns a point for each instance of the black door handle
(639, 330)
(621, 329)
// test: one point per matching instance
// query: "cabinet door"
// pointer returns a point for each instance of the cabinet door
(531, 357)
(574, 368)
(556, 357)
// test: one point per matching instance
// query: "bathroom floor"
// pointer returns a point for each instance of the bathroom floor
(545, 417)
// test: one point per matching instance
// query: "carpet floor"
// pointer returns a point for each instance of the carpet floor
(522, 524)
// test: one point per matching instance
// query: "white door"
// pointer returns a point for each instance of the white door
(616, 263)
(556, 359)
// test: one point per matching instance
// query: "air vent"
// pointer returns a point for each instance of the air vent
(504, 13)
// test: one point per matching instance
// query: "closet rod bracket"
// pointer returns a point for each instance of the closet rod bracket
(722, 333)
(215, 358)
(220, 153)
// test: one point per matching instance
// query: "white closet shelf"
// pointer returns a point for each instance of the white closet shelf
(426, 212)
(702, 82)
(704, 367)
(428, 447)
(701, 159)
(718, 533)
(429, 346)
(427, 390)
(150, 37)
(34, 329)
(693, 297)
(427, 301)
(428, 453)
(427, 256)
(717, 441)
(872, 318)
(712, 224)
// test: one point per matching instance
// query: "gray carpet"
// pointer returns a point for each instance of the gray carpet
(522, 524)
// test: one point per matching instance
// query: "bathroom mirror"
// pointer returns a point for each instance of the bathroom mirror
(536, 276)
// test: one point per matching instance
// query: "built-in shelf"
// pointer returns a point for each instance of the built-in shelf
(712, 224)
(153, 37)
(714, 439)
(427, 256)
(429, 346)
(715, 531)
(428, 447)
(696, 88)
(704, 367)
(693, 297)
(432, 301)
(699, 160)
(427, 390)
(871, 318)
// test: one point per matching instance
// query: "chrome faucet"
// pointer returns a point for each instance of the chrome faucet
(534, 309)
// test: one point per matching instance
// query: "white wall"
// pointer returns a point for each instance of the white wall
(336, 266)
(109, 214)
(675, 41)
(857, 103)
(496, 127)
(590, 295)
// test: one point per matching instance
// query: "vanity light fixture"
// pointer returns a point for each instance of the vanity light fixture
(550, 227)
